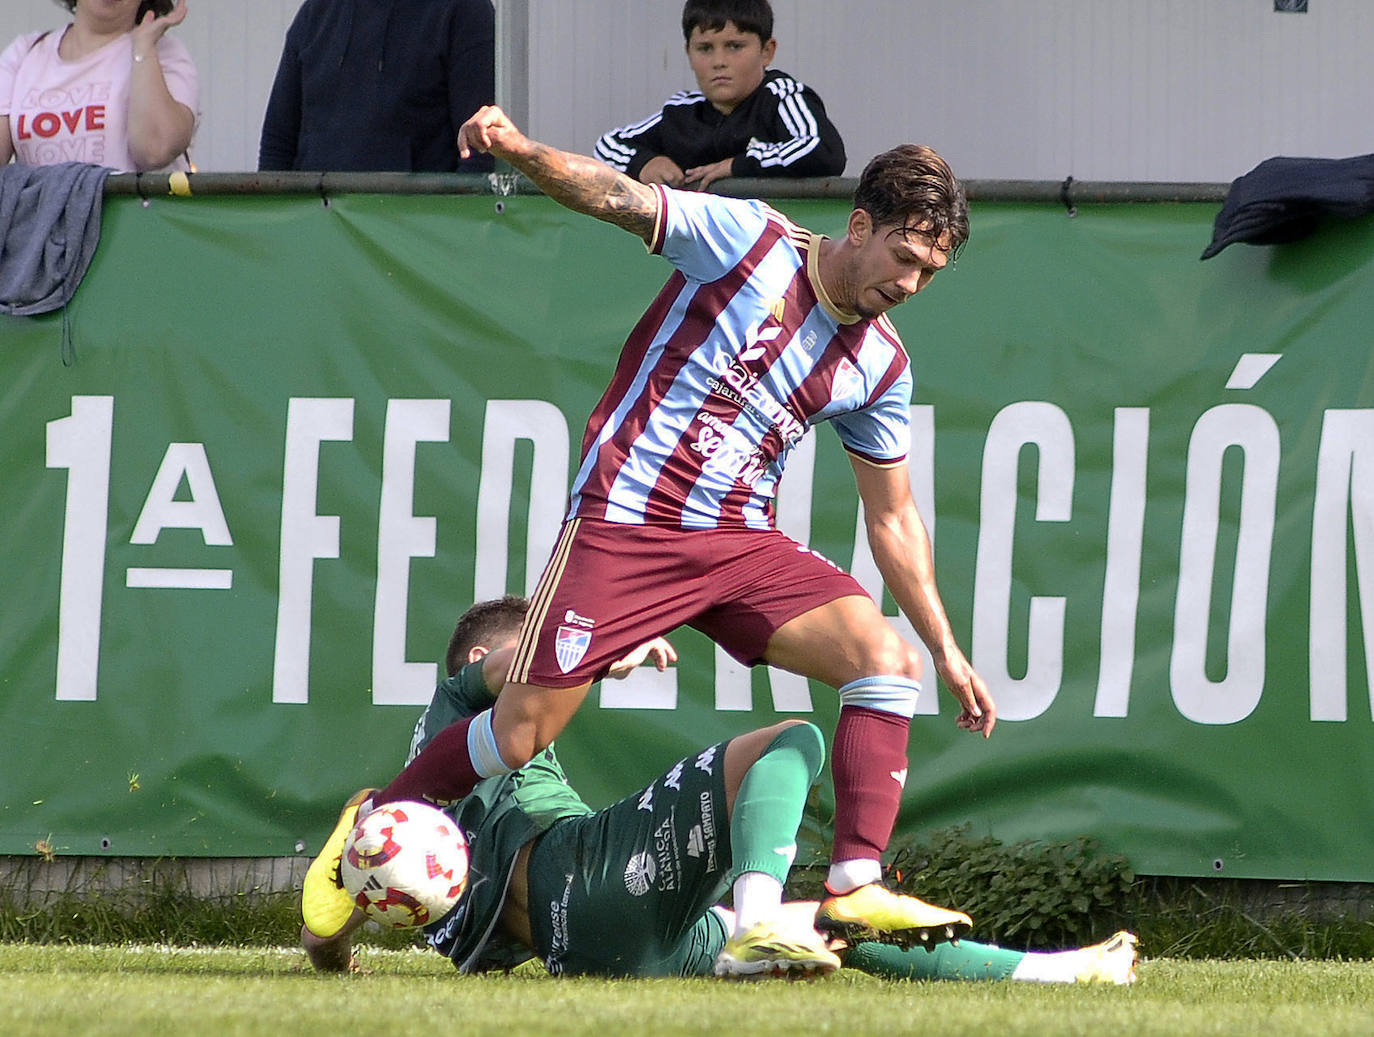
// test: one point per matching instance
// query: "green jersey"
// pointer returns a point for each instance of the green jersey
(498, 817)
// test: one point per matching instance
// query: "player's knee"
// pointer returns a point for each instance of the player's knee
(805, 739)
(912, 666)
(894, 656)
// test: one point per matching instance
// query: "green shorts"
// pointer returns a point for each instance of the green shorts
(628, 891)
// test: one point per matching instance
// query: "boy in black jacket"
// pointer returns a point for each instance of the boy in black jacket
(744, 120)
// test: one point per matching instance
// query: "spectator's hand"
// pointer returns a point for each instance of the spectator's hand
(147, 32)
(490, 130)
(702, 177)
(662, 652)
(661, 170)
(979, 712)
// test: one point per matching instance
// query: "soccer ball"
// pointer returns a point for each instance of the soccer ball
(405, 864)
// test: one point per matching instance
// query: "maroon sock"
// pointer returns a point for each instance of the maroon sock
(441, 773)
(870, 747)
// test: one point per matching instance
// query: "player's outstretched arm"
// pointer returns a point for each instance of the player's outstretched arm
(901, 549)
(582, 184)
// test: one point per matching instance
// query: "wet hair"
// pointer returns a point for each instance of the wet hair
(487, 623)
(913, 188)
(160, 8)
(754, 16)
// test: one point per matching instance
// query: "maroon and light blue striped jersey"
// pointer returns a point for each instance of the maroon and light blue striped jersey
(740, 353)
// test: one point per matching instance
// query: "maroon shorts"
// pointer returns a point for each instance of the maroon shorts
(611, 586)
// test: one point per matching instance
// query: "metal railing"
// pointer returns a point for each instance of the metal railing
(1069, 193)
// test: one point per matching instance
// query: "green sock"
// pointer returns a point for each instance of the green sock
(967, 961)
(768, 808)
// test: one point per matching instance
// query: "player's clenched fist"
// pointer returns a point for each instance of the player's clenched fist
(489, 129)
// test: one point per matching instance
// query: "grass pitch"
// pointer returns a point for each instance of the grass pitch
(163, 990)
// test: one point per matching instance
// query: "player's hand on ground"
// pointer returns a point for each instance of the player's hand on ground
(334, 954)
(658, 651)
(661, 170)
(489, 129)
(702, 177)
(979, 710)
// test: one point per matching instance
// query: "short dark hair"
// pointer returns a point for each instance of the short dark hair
(161, 8)
(754, 16)
(485, 623)
(913, 188)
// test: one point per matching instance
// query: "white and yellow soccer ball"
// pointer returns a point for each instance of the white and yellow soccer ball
(405, 864)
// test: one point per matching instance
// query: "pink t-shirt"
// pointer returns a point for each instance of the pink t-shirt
(77, 111)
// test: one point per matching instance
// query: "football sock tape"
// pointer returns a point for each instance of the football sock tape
(887, 694)
(486, 757)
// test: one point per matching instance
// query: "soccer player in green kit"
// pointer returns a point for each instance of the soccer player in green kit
(632, 890)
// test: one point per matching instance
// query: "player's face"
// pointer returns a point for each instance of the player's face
(728, 64)
(890, 264)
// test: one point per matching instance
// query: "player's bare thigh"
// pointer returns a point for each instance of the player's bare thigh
(527, 718)
(841, 641)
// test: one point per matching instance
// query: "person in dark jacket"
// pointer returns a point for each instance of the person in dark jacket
(746, 119)
(380, 85)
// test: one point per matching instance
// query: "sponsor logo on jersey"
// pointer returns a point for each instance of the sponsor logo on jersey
(741, 386)
(706, 760)
(646, 799)
(696, 845)
(708, 829)
(666, 855)
(639, 874)
(673, 779)
(569, 646)
(443, 938)
(728, 451)
(558, 928)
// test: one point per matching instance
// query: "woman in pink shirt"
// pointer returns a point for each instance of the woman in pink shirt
(111, 89)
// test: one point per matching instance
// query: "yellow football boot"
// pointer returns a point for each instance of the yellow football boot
(325, 904)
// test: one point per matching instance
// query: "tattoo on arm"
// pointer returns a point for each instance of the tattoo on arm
(587, 186)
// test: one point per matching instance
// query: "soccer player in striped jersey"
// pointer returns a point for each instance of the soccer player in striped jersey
(745, 118)
(764, 330)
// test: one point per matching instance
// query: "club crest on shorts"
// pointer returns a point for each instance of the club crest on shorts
(570, 645)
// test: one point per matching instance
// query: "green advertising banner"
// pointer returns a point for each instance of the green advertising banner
(294, 439)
